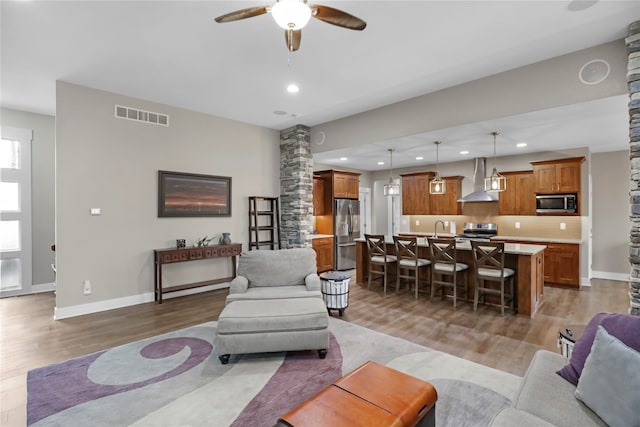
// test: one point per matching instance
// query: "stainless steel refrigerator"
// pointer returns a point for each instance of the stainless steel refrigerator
(346, 228)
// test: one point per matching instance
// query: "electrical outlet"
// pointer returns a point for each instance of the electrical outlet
(417, 222)
(517, 225)
(446, 224)
(96, 211)
(563, 226)
(86, 287)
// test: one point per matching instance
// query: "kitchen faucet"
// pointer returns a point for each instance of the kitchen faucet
(435, 228)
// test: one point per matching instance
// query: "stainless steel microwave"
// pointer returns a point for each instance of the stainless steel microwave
(556, 203)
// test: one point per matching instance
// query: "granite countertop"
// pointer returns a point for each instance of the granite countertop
(423, 234)
(318, 236)
(509, 248)
(539, 239)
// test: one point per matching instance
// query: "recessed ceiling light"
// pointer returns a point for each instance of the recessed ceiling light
(464, 152)
(521, 144)
(343, 158)
(381, 163)
(293, 88)
(419, 158)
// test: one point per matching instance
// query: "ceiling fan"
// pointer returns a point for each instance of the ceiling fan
(292, 15)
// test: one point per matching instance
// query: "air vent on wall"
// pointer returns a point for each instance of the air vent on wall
(141, 115)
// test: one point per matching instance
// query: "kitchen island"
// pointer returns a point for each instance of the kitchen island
(526, 259)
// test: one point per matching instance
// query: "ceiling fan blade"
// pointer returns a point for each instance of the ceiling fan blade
(293, 38)
(242, 14)
(337, 17)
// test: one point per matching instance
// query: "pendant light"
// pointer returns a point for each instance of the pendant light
(391, 189)
(437, 185)
(496, 182)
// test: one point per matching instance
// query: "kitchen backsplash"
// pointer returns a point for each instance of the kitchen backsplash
(529, 226)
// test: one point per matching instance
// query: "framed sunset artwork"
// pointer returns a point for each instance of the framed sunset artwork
(191, 194)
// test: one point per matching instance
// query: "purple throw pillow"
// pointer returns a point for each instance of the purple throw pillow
(625, 327)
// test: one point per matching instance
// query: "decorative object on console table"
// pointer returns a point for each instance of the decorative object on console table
(193, 195)
(172, 255)
(225, 239)
(181, 243)
(204, 241)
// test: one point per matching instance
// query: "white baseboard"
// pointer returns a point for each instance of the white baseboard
(585, 281)
(623, 277)
(95, 307)
(43, 287)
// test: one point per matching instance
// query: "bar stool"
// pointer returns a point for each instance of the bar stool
(488, 259)
(444, 262)
(378, 257)
(407, 255)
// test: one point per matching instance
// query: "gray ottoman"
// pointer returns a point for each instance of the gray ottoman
(256, 326)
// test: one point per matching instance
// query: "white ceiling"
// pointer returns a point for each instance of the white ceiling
(172, 52)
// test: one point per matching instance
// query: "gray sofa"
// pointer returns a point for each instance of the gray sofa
(546, 399)
(286, 273)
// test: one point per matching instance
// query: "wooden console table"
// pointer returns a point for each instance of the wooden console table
(173, 255)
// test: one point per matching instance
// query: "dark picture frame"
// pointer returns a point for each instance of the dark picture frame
(193, 195)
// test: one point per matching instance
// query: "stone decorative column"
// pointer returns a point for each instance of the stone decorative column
(296, 186)
(633, 78)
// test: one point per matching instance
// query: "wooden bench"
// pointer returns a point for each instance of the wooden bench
(373, 395)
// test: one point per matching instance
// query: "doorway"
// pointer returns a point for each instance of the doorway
(15, 212)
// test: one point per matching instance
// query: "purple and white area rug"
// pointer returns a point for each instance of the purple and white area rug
(176, 379)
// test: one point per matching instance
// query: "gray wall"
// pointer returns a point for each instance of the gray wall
(112, 164)
(611, 223)
(535, 87)
(42, 188)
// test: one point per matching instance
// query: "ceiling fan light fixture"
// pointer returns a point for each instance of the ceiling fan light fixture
(291, 14)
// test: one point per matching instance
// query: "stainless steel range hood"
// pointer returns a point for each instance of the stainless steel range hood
(479, 195)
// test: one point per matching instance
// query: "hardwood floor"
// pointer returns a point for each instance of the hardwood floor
(30, 338)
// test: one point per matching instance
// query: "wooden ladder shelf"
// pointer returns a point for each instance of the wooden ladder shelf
(264, 223)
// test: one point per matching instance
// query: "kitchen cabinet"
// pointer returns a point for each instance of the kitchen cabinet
(416, 199)
(557, 176)
(447, 203)
(415, 193)
(518, 198)
(346, 185)
(324, 253)
(340, 184)
(562, 264)
(318, 196)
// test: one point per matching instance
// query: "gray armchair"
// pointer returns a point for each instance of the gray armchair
(279, 274)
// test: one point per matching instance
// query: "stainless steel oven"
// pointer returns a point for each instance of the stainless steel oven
(556, 203)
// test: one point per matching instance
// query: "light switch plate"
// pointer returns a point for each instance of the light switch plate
(563, 226)
(96, 211)
(517, 225)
